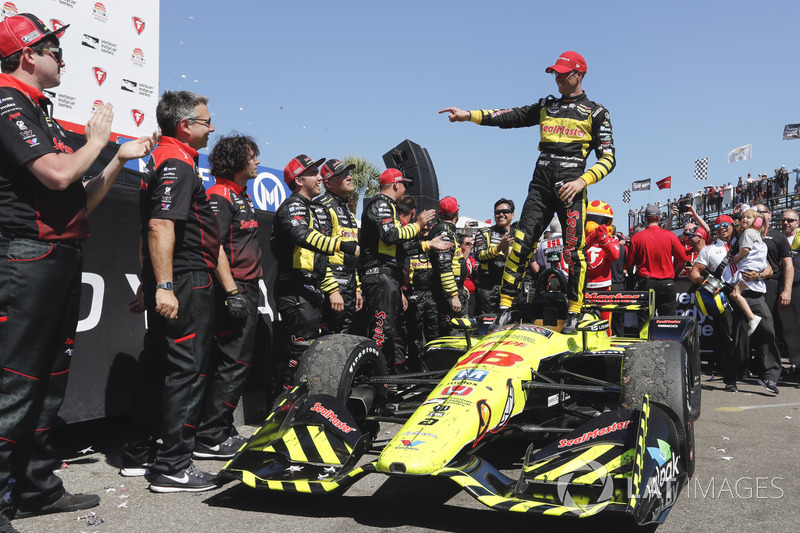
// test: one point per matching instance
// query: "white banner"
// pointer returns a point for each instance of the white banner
(111, 55)
(740, 154)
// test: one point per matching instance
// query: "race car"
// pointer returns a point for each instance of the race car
(602, 423)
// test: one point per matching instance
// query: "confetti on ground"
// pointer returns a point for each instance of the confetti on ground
(787, 417)
(111, 489)
(726, 458)
(123, 505)
(725, 438)
(86, 450)
(64, 465)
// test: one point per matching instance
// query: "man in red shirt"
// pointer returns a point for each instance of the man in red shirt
(658, 256)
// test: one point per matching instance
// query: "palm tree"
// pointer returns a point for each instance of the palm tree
(365, 177)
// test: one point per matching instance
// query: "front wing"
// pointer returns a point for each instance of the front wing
(621, 461)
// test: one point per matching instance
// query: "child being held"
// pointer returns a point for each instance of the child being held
(752, 257)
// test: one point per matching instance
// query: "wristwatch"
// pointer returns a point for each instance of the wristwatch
(167, 286)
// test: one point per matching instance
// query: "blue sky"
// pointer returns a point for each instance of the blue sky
(681, 80)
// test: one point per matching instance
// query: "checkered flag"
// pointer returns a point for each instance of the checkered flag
(626, 196)
(701, 169)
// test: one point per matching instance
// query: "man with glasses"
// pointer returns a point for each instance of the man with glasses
(302, 247)
(338, 314)
(779, 284)
(44, 220)
(180, 249)
(491, 251)
(570, 127)
(790, 315)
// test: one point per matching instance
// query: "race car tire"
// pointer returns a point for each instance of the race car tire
(661, 370)
(332, 364)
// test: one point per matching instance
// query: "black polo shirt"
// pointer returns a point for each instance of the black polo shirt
(238, 228)
(28, 209)
(172, 190)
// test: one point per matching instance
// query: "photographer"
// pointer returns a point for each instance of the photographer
(684, 207)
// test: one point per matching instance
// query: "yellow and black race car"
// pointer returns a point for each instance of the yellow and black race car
(603, 423)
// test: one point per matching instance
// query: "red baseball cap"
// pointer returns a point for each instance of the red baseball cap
(722, 219)
(698, 232)
(298, 165)
(333, 168)
(23, 30)
(448, 205)
(392, 175)
(568, 61)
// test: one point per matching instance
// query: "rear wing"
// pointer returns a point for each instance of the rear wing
(622, 301)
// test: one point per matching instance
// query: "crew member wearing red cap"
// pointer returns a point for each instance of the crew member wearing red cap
(449, 268)
(570, 127)
(233, 162)
(381, 264)
(43, 222)
(658, 256)
(302, 248)
(342, 305)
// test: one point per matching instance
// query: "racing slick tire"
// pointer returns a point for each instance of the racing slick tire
(661, 369)
(333, 364)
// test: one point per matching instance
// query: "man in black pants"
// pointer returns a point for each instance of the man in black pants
(571, 127)
(341, 306)
(382, 237)
(301, 247)
(658, 256)
(234, 162)
(449, 268)
(180, 248)
(491, 251)
(43, 223)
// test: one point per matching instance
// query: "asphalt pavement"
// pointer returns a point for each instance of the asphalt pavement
(746, 480)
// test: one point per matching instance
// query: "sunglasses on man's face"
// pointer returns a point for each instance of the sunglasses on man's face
(722, 226)
(503, 212)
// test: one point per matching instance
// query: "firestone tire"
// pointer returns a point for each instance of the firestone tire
(333, 363)
(660, 369)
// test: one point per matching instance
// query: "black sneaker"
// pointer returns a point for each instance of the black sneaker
(66, 503)
(770, 385)
(190, 479)
(570, 324)
(731, 387)
(223, 450)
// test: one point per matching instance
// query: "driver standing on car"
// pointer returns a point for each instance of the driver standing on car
(570, 127)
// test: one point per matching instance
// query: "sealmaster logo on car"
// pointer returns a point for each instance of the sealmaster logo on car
(332, 417)
(589, 435)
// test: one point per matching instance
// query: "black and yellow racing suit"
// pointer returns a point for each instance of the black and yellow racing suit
(382, 241)
(449, 271)
(422, 316)
(491, 263)
(301, 249)
(342, 267)
(570, 129)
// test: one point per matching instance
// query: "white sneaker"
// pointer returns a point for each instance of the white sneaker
(752, 325)
(135, 471)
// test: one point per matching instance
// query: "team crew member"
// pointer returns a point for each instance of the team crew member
(302, 248)
(180, 247)
(43, 223)
(421, 315)
(550, 252)
(658, 256)
(791, 313)
(449, 268)
(233, 161)
(571, 127)
(382, 237)
(779, 284)
(338, 315)
(491, 252)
